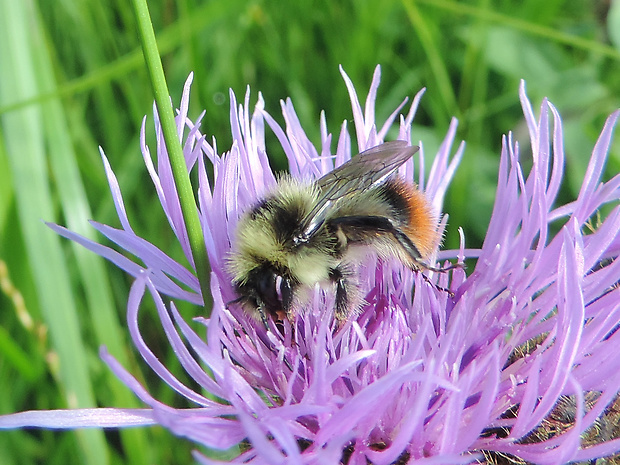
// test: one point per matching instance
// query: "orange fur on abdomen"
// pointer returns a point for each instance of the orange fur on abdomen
(422, 224)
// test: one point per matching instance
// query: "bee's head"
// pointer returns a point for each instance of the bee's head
(258, 263)
(264, 291)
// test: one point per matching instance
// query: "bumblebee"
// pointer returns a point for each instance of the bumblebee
(305, 233)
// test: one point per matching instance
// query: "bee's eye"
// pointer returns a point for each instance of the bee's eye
(286, 294)
(278, 286)
(275, 291)
(266, 287)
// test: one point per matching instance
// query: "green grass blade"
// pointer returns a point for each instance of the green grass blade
(103, 318)
(25, 144)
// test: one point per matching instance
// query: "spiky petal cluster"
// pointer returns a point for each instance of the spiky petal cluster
(425, 377)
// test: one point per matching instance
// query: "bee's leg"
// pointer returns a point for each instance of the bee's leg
(263, 317)
(439, 288)
(347, 291)
(342, 298)
(442, 269)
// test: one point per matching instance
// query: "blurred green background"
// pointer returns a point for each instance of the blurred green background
(72, 78)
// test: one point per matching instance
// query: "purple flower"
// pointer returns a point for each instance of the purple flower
(527, 340)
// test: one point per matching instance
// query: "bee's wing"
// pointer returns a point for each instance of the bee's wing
(362, 172)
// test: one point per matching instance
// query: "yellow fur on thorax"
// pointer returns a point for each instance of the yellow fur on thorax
(256, 238)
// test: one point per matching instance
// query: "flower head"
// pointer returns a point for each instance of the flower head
(424, 375)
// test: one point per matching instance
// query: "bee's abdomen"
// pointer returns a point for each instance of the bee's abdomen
(413, 214)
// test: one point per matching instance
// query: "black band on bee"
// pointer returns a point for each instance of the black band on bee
(392, 193)
(366, 229)
(258, 209)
